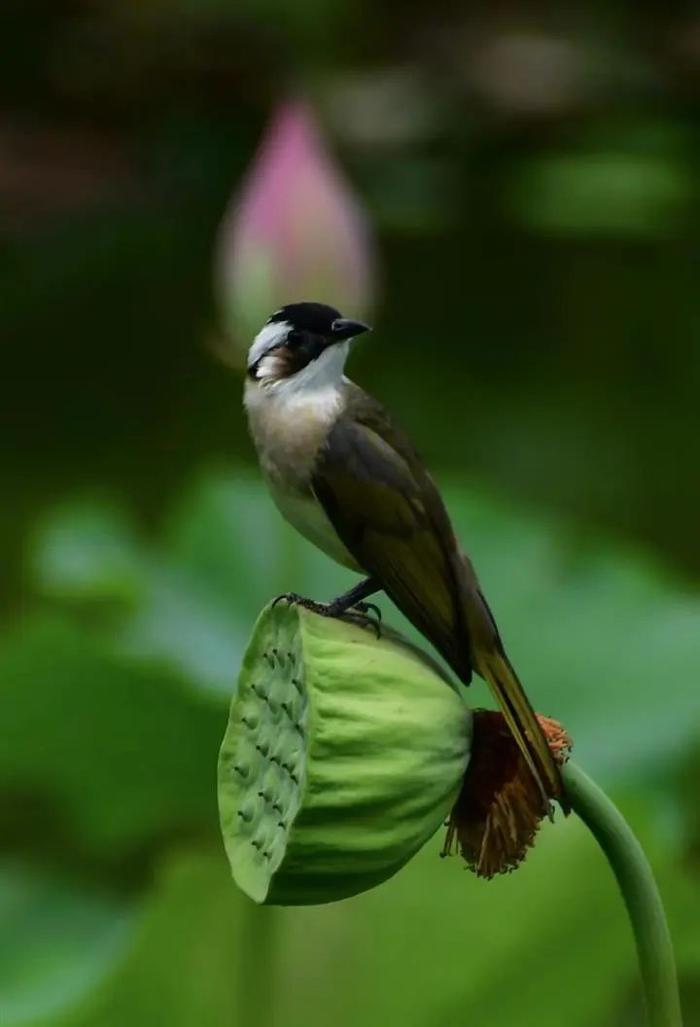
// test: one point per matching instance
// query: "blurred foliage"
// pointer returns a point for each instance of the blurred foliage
(584, 621)
(532, 175)
(120, 751)
(114, 691)
(59, 938)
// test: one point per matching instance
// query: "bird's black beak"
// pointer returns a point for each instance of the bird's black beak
(344, 328)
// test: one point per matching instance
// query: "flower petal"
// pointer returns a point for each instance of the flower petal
(295, 231)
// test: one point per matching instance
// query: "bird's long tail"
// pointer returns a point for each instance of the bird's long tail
(495, 667)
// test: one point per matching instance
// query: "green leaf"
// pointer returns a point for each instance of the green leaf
(611, 193)
(87, 550)
(604, 639)
(60, 936)
(180, 967)
(433, 945)
(547, 945)
(225, 552)
(119, 754)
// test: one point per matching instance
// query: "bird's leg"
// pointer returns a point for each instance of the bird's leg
(368, 614)
(344, 605)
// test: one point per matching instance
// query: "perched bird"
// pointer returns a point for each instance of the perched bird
(351, 481)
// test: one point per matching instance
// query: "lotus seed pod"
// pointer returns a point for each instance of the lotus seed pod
(343, 754)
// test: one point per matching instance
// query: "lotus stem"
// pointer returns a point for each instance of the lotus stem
(642, 899)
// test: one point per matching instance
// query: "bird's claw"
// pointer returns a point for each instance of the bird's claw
(294, 599)
(370, 616)
(363, 614)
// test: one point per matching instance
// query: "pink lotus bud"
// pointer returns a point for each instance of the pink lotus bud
(295, 232)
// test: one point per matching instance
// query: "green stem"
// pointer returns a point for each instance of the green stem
(256, 966)
(638, 887)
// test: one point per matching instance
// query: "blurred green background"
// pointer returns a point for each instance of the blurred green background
(530, 173)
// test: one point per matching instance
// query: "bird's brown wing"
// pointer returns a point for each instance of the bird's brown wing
(390, 516)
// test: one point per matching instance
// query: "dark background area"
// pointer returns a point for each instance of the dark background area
(570, 320)
(531, 175)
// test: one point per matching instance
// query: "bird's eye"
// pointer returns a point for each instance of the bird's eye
(294, 338)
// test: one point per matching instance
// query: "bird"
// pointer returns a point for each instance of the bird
(351, 481)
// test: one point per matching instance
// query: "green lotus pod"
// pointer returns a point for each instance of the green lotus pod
(343, 754)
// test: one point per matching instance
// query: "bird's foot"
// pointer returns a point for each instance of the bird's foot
(369, 615)
(363, 614)
(294, 599)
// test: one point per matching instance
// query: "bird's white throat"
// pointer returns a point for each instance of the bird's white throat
(313, 394)
(325, 372)
(291, 417)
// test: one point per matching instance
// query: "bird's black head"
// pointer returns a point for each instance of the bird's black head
(307, 317)
(298, 333)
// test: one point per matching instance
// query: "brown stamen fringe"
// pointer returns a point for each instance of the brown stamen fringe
(499, 809)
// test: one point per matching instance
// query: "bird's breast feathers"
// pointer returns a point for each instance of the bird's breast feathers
(289, 429)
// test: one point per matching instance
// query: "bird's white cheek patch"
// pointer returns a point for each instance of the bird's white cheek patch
(268, 367)
(267, 338)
